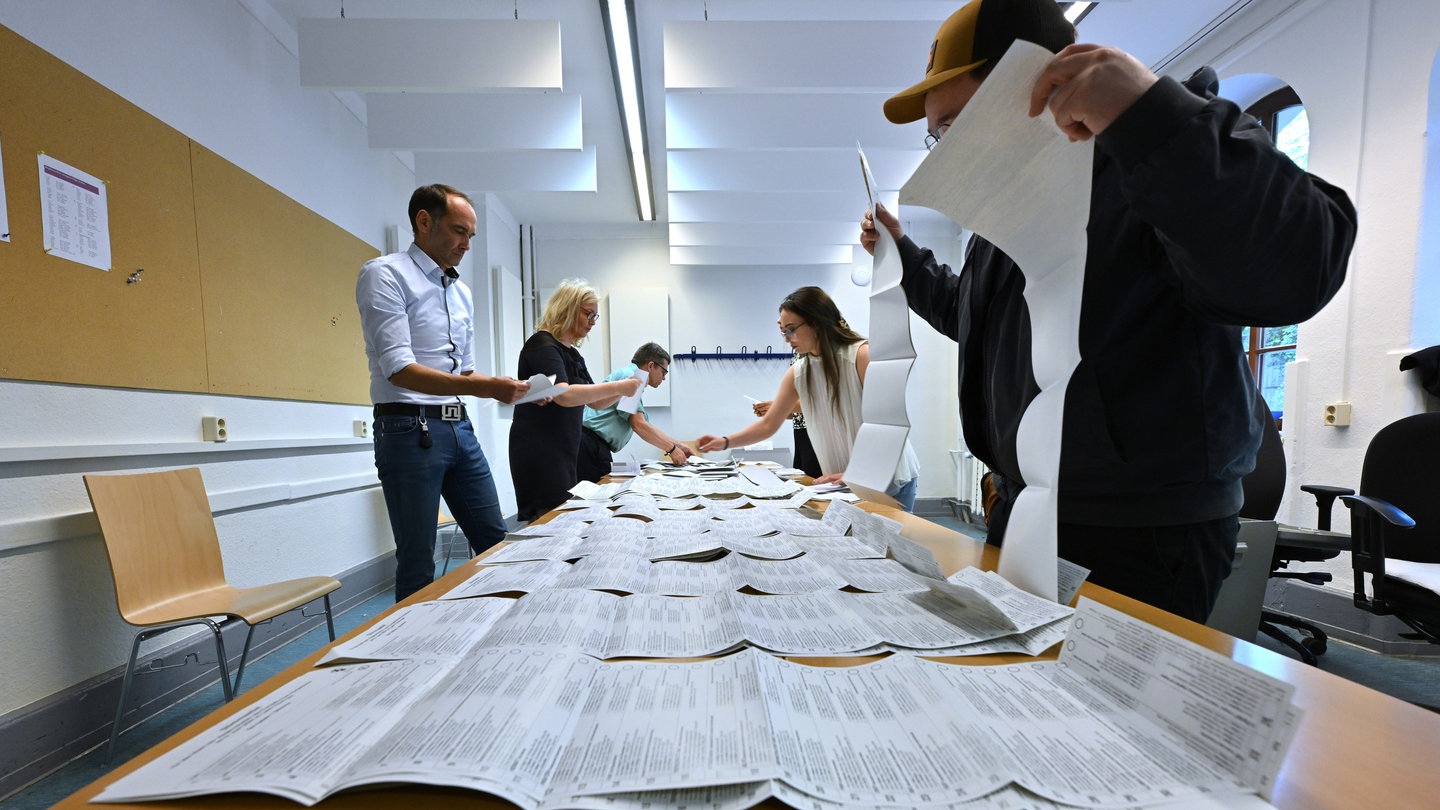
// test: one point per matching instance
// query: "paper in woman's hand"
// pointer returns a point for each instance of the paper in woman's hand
(631, 403)
(541, 386)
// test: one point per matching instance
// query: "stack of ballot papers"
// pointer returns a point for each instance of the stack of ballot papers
(973, 613)
(1129, 716)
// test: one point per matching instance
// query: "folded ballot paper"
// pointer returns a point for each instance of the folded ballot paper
(1129, 716)
(541, 387)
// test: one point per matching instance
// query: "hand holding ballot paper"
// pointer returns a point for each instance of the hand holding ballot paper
(1036, 145)
(542, 387)
(630, 403)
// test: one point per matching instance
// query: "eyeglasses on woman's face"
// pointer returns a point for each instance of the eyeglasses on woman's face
(591, 315)
(789, 331)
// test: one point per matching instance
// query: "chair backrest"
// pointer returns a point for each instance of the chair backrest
(1402, 466)
(159, 534)
(1265, 485)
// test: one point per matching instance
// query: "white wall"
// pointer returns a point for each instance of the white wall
(302, 488)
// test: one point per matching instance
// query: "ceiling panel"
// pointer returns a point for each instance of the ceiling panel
(876, 55)
(474, 122)
(753, 107)
(766, 234)
(429, 55)
(523, 170)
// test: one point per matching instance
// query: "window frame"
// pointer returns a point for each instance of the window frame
(1266, 111)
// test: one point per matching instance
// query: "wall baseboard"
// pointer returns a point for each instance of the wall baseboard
(39, 739)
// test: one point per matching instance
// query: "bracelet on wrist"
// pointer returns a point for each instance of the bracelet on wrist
(672, 448)
(727, 442)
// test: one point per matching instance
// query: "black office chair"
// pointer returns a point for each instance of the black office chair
(1264, 488)
(1396, 519)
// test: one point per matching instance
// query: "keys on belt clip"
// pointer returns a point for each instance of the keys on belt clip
(425, 441)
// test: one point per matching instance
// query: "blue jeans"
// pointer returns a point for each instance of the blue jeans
(905, 493)
(414, 478)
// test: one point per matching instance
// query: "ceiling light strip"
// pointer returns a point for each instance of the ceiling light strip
(624, 62)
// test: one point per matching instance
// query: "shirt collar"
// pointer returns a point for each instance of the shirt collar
(427, 265)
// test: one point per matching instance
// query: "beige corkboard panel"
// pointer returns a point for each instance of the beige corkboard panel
(279, 298)
(242, 290)
(61, 321)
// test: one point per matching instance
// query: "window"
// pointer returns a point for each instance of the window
(1270, 348)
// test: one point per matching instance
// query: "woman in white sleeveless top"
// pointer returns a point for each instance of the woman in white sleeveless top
(826, 382)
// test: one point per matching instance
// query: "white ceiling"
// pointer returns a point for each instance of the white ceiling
(753, 107)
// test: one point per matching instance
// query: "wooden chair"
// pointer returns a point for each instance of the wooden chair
(166, 563)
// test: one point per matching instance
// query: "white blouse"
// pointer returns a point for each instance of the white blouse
(832, 431)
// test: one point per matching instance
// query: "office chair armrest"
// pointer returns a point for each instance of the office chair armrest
(1370, 519)
(1378, 507)
(1325, 501)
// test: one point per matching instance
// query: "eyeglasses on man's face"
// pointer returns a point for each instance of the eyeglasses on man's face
(933, 137)
(591, 315)
(664, 370)
(789, 331)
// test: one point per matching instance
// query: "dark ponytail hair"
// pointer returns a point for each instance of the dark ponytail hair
(817, 309)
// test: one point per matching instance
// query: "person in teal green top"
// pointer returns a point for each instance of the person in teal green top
(608, 430)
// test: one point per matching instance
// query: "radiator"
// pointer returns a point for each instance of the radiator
(968, 472)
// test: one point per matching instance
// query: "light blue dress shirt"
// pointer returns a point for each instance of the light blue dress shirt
(410, 315)
(613, 424)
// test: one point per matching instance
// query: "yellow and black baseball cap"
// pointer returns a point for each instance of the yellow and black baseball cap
(979, 32)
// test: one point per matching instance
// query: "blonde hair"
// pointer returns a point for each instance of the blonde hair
(564, 306)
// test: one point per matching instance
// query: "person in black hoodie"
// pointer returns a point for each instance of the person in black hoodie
(1198, 225)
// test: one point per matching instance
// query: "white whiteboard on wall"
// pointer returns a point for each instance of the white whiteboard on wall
(640, 315)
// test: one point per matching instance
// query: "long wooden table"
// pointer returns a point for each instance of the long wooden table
(1355, 747)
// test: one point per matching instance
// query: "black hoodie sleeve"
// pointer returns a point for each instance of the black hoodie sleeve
(1252, 238)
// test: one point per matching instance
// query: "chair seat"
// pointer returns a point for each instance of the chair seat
(252, 605)
(1424, 575)
(1311, 544)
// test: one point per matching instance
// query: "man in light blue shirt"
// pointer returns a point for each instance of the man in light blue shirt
(418, 320)
(608, 430)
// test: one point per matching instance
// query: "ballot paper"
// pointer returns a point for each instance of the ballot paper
(541, 386)
(1128, 716)
(882, 443)
(1020, 183)
(630, 403)
(860, 273)
(636, 573)
(424, 630)
(932, 615)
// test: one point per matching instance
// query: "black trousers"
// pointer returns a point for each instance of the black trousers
(1175, 568)
(593, 461)
(805, 459)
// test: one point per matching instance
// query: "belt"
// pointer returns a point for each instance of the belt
(449, 412)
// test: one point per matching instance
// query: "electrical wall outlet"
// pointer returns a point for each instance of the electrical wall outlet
(213, 428)
(362, 429)
(1337, 414)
